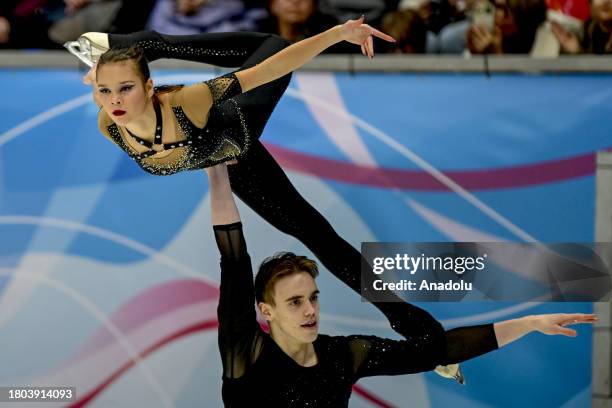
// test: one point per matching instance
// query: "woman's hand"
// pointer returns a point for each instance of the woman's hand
(356, 32)
(90, 79)
(480, 40)
(555, 323)
(568, 40)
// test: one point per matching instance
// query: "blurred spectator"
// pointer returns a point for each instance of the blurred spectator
(5, 30)
(507, 27)
(295, 20)
(132, 16)
(597, 37)
(82, 16)
(24, 23)
(514, 27)
(409, 28)
(350, 9)
(199, 16)
(416, 26)
(438, 13)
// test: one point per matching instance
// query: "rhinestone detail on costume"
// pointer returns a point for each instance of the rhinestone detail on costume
(225, 136)
(187, 50)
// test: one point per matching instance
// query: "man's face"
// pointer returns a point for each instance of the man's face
(295, 315)
(292, 11)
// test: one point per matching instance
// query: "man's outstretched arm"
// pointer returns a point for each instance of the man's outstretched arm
(238, 327)
(377, 356)
(222, 205)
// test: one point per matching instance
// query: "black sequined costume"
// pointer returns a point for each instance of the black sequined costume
(224, 137)
(257, 373)
(257, 179)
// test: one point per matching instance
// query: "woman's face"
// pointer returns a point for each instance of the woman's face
(121, 91)
(602, 11)
(292, 11)
(504, 18)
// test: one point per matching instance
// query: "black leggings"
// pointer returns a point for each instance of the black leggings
(259, 181)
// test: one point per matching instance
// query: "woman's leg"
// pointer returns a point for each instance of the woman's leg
(229, 50)
(240, 49)
(258, 104)
(261, 183)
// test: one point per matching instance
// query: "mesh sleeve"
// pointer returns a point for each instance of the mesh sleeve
(240, 337)
(224, 87)
(464, 343)
(377, 356)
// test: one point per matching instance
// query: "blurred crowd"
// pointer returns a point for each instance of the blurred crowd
(537, 27)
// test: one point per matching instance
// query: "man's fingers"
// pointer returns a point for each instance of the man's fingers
(582, 316)
(585, 318)
(577, 318)
(370, 42)
(567, 332)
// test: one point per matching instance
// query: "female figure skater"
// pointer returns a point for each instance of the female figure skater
(294, 366)
(171, 129)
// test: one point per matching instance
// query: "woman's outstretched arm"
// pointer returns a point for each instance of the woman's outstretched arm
(296, 55)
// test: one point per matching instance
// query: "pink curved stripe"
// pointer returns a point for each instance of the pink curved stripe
(149, 305)
(370, 396)
(481, 179)
(87, 398)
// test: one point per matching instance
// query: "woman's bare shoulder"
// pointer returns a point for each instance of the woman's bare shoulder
(195, 100)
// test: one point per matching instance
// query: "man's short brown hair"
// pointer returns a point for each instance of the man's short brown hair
(278, 266)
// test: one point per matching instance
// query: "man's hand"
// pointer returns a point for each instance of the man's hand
(508, 331)
(555, 323)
